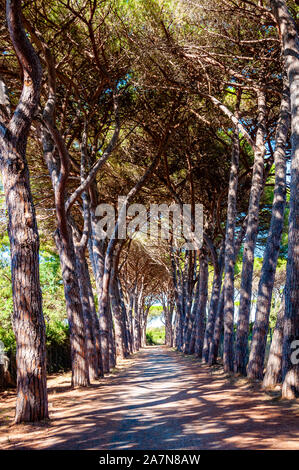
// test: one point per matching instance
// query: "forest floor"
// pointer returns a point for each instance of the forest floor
(157, 399)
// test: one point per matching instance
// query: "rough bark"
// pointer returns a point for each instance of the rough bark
(202, 306)
(273, 374)
(138, 313)
(255, 368)
(125, 319)
(119, 325)
(57, 160)
(220, 312)
(168, 324)
(94, 318)
(213, 306)
(80, 370)
(188, 286)
(192, 331)
(28, 321)
(97, 257)
(290, 51)
(229, 258)
(111, 337)
(217, 330)
(241, 345)
(144, 325)
(177, 296)
(131, 323)
(90, 332)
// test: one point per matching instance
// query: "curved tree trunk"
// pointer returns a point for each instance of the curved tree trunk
(28, 320)
(65, 247)
(57, 160)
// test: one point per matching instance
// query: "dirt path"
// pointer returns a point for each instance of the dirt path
(159, 400)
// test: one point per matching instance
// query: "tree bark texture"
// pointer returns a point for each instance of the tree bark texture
(241, 346)
(28, 320)
(255, 368)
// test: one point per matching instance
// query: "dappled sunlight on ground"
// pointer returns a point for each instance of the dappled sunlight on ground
(157, 400)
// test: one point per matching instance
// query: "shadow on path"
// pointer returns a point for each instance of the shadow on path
(166, 402)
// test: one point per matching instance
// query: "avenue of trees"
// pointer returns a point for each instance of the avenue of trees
(157, 102)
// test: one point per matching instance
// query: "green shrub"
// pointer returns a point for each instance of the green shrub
(150, 339)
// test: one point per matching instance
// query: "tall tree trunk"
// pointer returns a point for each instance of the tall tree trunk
(119, 325)
(217, 330)
(188, 291)
(229, 258)
(90, 332)
(80, 370)
(80, 241)
(57, 160)
(137, 319)
(143, 325)
(273, 373)
(290, 51)
(213, 306)
(104, 313)
(131, 322)
(250, 240)
(193, 319)
(182, 309)
(103, 298)
(202, 305)
(168, 324)
(220, 312)
(65, 247)
(255, 368)
(124, 319)
(111, 337)
(176, 288)
(97, 256)
(94, 319)
(28, 320)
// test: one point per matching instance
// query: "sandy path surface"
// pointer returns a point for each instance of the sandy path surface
(157, 400)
